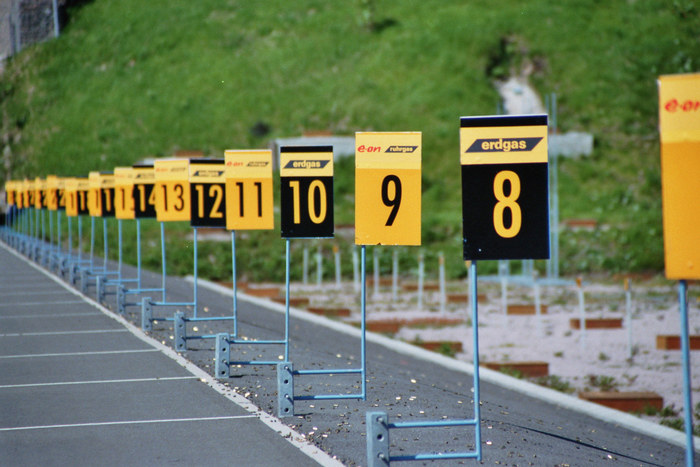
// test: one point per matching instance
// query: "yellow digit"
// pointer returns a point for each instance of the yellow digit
(317, 218)
(200, 200)
(216, 192)
(507, 202)
(294, 185)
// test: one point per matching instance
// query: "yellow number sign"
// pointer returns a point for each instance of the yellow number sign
(70, 186)
(29, 194)
(94, 194)
(51, 193)
(249, 200)
(172, 189)
(679, 108)
(388, 188)
(124, 193)
(107, 194)
(76, 190)
(11, 193)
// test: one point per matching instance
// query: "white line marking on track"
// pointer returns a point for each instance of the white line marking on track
(60, 333)
(76, 354)
(106, 381)
(33, 293)
(69, 302)
(127, 422)
(57, 315)
(273, 423)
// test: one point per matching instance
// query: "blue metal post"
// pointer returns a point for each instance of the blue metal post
(162, 256)
(286, 303)
(687, 396)
(92, 242)
(138, 253)
(194, 292)
(475, 337)
(235, 286)
(105, 247)
(363, 305)
(119, 247)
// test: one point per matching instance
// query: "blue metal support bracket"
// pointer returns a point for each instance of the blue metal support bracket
(286, 404)
(225, 341)
(222, 356)
(378, 425)
(285, 393)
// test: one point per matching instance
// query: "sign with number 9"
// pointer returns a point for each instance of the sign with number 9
(388, 188)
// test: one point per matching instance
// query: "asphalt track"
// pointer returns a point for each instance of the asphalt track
(78, 388)
(520, 425)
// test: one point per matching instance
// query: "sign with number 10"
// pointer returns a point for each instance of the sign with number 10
(505, 187)
(306, 192)
(388, 188)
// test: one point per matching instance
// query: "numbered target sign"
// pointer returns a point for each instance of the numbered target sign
(172, 189)
(505, 187)
(306, 191)
(71, 190)
(679, 124)
(249, 199)
(107, 194)
(39, 193)
(77, 196)
(10, 193)
(207, 183)
(94, 198)
(51, 192)
(61, 190)
(144, 178)
(29, 194)
(124, 193)
(388, 188)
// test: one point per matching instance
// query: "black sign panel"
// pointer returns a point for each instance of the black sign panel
(505, 202)
(207, 193)
(143, 193)
(306, 192)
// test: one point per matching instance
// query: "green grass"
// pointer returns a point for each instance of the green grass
(131, 79)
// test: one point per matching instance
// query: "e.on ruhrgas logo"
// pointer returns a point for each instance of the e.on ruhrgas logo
(685, 105)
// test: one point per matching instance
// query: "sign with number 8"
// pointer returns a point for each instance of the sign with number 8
(505, 208)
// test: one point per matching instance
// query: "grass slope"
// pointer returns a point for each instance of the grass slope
(130, 79)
